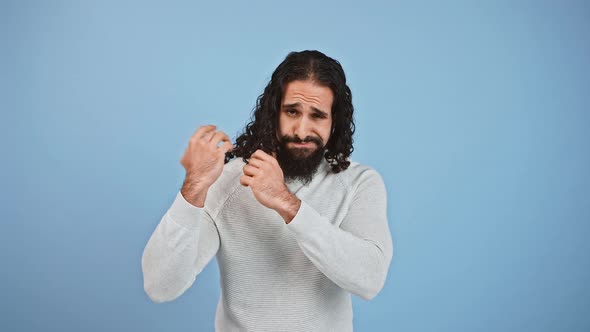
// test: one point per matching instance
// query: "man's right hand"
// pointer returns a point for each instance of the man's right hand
(203, 161)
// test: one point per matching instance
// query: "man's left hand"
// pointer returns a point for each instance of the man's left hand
(264, 176)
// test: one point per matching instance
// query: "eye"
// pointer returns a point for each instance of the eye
(291, 112)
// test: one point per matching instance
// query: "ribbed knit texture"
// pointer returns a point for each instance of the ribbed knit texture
(277, 276)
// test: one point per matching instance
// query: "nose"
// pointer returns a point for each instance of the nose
(302, 128)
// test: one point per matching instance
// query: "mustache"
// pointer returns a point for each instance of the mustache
(295, 139)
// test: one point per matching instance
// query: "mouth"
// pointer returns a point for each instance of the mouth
(302, 145)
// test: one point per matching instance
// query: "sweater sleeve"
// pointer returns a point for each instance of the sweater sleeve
(355, 255)
(183, 243)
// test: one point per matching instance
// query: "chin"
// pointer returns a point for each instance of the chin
(301, 153)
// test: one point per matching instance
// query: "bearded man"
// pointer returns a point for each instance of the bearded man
(296, 227)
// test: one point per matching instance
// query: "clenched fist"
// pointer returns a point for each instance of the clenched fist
(203, 161)
(265, 177)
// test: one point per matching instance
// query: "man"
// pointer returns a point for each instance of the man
(295, 226)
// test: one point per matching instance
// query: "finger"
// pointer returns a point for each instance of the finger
(208, 136)
(226, 147)
(219, 136)
(259, 154)
(203, 130)
(255, 162)
(245, 180)
(250, 170)
(264, 157)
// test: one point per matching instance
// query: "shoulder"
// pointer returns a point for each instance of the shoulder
(225, 186)
(360, 177)
(357, 172)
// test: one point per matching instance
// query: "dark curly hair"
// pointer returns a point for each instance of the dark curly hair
(260, 133)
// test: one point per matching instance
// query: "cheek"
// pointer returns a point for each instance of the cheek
(326, 131)
(281, 125)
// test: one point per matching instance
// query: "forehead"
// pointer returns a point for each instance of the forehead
(308, 93)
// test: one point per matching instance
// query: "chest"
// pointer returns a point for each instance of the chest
(247, 227)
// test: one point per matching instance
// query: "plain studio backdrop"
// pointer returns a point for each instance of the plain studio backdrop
(476, 113)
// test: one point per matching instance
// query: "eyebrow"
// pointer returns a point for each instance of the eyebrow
(315, 110)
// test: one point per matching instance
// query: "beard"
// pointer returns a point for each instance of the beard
(300, 163)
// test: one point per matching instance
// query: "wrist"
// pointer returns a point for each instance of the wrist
(194, 192)
(289, 207)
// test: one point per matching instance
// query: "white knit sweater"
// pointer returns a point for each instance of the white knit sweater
(277, 276)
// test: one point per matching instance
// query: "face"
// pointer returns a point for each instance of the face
(305, 117)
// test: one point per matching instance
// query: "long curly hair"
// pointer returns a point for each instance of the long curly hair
(260, 133)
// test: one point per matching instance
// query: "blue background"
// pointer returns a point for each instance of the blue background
(475, 113)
